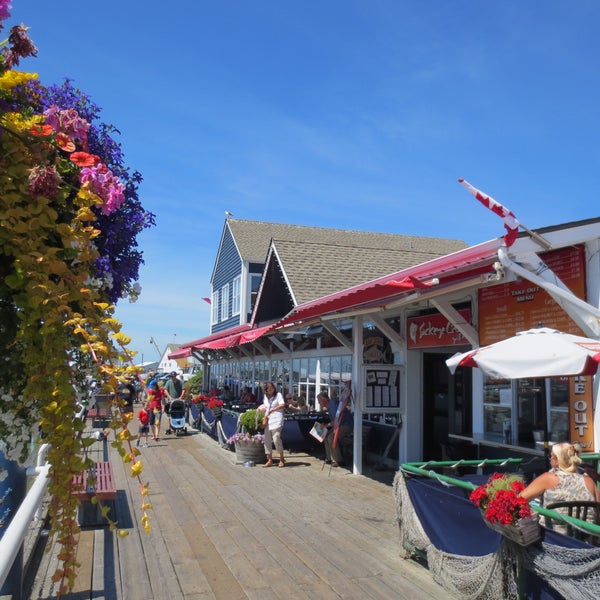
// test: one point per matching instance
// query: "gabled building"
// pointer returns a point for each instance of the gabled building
(308, 262)
(391, 335)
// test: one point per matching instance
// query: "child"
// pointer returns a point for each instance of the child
(144, 421)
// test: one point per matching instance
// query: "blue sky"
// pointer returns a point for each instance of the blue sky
(340, 113)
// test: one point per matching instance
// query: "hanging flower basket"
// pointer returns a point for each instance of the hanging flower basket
(504, 511)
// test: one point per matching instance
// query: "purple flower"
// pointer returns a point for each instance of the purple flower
(4, 14)
(122, 217)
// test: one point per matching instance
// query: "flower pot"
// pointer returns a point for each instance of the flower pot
(249, 451)
(524, 532)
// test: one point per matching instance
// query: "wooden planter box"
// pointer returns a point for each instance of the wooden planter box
(525, 532)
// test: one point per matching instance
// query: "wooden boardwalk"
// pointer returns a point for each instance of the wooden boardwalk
(228, 532)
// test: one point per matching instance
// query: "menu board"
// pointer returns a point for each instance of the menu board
(519, 305)
(382, 388)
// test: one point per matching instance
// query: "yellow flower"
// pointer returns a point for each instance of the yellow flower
(10, 79)
(136, 468)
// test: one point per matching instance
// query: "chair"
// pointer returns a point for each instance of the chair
(578, 509)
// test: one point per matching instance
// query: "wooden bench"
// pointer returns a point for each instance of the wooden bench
(97, 481)
(97, 415)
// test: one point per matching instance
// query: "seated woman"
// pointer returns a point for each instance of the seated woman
(563, 482)
(296, 404)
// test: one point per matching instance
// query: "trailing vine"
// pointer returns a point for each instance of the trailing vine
(69, 218)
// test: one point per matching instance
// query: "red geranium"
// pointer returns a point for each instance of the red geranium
(500, 501)
(213, 402)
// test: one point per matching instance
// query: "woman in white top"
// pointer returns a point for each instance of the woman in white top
(563, 482)
(273, 406)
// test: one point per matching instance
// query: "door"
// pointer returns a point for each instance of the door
(447, 404)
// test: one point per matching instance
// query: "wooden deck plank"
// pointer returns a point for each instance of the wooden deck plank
(221, 531)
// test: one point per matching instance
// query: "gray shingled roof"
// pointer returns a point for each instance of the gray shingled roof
(253, 239)
(317, 269)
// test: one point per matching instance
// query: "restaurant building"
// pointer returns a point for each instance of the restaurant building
(391, 333)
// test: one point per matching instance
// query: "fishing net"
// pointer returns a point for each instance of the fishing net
(473, 562)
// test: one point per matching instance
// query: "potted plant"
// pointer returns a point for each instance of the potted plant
(215, 406)
(248, 441)
(505, 511)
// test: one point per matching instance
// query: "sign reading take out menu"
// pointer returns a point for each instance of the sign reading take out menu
(520, 305)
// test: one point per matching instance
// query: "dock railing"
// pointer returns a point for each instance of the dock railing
(428, 469)
(13, 539)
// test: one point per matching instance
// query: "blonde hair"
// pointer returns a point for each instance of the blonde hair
(567, 456)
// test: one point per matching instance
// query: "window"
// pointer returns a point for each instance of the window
(236, 298)
(225, 302)
(497, 408)
(214, 308)
(254, 285)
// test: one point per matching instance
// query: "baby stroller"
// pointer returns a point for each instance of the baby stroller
(176, 412)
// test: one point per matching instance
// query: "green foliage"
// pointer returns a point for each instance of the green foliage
(194, 383)
(250, 421)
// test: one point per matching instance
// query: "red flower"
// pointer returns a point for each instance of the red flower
(499, 499)
(214, 402)
(41, 130)
(64, 142)
(83, 159)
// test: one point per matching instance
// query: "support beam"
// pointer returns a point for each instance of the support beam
(245, 351)
(260, 348)
(388, 331)
(357, 385)
(468, 331)
(276, 342)
(337, 334)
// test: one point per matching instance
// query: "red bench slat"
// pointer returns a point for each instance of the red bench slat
(96, 413)
(105, 487)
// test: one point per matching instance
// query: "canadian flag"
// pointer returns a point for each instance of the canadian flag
(510, 221)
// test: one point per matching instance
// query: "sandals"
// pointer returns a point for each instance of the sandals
(281, 463)
(269, 463)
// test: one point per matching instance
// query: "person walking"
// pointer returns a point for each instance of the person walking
(155, 405)
(144, 424)
(173, 387)
(273, 407)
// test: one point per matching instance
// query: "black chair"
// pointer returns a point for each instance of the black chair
(578, 509)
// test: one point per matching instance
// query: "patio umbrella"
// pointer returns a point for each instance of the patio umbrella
(540, 352)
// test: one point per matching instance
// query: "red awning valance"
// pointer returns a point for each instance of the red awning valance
(180, 353)
(254, 334)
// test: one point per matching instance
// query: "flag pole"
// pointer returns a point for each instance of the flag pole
(537, 238)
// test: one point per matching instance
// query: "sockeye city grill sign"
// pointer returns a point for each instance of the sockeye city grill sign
(431, 331)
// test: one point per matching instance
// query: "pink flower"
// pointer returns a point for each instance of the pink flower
(69, 123)
(100, 180)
